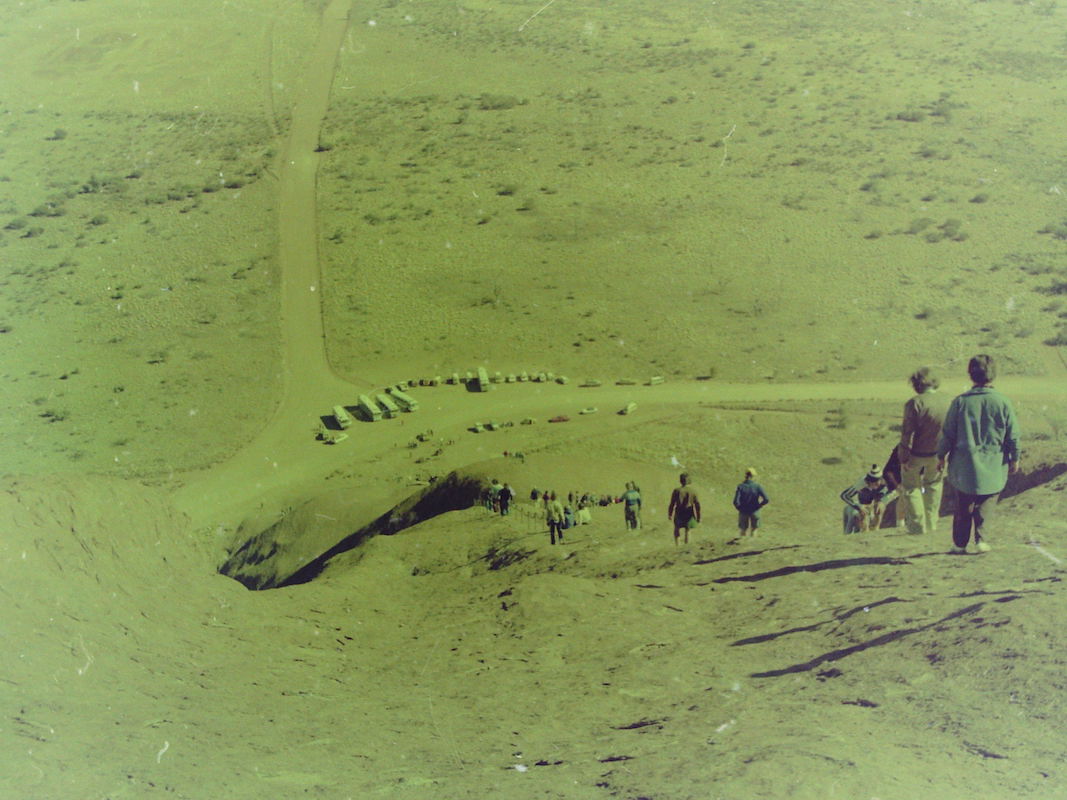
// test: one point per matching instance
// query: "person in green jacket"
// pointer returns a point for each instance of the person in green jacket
(980, 441)
(632, 510)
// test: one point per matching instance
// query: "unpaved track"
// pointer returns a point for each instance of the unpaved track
(285, 458)
(310, 387)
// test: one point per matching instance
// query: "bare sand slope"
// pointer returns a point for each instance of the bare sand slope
(468, 658)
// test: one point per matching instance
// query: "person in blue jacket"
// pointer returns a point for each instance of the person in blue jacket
(980, 442)
(749, 498)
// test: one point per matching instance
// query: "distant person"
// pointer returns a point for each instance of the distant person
(863, 502)
(631, 500)
(569, 520)
(749, 498)
(494, 495)
(507, 494)
(554, 517)
(920, 475)
(980, 441)
(684, 508)
(583, 516)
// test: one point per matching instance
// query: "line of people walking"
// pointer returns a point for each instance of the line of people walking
(561, 516)
(976, 436)
(683, 510)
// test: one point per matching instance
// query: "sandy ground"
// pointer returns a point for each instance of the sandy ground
(218, 221)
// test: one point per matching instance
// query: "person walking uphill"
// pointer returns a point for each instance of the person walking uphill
(920, 431)
(684, 508)
(980, 441)
(749, 498)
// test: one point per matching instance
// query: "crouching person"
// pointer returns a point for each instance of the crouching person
(863, 502)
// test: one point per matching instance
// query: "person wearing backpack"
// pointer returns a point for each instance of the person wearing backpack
(632, 508)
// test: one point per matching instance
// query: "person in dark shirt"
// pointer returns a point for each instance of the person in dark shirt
(507, 494)
(749, 498)
(863, 502)
(684, 508)
(894, 495)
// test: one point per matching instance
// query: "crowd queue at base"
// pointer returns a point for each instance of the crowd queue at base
(972, 441)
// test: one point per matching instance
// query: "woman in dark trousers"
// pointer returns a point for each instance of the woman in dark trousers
(980, 441)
